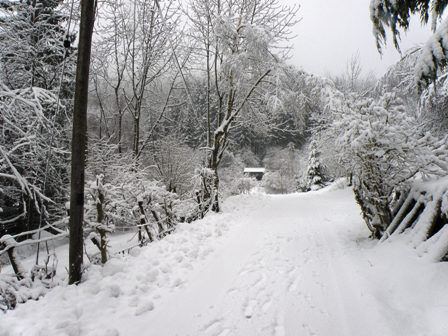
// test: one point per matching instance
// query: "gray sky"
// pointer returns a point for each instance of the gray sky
(331, 31)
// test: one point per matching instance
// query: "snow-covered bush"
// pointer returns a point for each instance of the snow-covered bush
(243, 185)
(96, 215)
(14, 292)
(276, 183)
(23, 285)
(381, 144)
(173, 163)
(123, 195)
(117, 176)
(206, 192)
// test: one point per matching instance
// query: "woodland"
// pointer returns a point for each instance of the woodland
(181, 98)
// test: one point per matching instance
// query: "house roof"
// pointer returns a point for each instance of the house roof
(254, 170)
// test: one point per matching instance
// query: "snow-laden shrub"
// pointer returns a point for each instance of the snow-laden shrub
(381, 144)
(206, 192)
(276, 183)
(14, 292)
(123, 195)
(243, 185)
(23, 286)
(173, 163)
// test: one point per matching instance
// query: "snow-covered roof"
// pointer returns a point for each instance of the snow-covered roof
(254, 170)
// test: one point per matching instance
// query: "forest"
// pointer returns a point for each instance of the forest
(182, 97)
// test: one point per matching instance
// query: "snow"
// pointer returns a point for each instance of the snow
(298, 264)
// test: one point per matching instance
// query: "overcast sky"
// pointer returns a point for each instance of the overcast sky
(333, 30)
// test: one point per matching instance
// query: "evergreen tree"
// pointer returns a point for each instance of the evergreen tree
(37, 69)
(314, 174)
(32, 50)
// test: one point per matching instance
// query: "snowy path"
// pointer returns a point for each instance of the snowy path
(283, 272)
(271, 265)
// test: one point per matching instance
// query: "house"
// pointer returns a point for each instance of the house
(254, 172)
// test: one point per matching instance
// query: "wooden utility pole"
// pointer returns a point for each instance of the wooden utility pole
(79, 141)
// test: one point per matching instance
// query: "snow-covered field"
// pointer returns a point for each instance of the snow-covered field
(297, 264)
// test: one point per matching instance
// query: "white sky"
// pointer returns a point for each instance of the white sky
(331, 31)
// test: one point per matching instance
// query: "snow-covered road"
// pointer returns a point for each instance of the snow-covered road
(285, 270)
(284, 265)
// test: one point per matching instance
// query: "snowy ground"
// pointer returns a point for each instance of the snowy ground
(270, 265)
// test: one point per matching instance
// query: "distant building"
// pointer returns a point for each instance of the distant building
(255, 172)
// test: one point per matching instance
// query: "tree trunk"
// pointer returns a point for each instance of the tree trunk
(103, 245)
(18, 270)
(100, 219)
(79, 141)
(215, 196)
(120, 126)
(136, 135)
(213, 165)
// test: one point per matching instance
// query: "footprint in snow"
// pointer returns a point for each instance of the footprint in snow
(214, 326)
(266, 305)
(249, 310)
(143, 308)
(293, 285)
(232, 291)
(308, 329)
(225, 332)
(279, 329)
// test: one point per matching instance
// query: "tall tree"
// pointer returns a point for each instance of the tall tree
(79, 141)
(240, 45)
(132, 52)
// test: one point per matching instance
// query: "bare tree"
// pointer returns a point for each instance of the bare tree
(353, 70)
(241, 44)
(132, 53)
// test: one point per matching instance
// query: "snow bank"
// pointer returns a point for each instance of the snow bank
(411, 290)
(127, 286)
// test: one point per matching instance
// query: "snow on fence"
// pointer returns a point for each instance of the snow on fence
(421, 217)
(155, 214)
